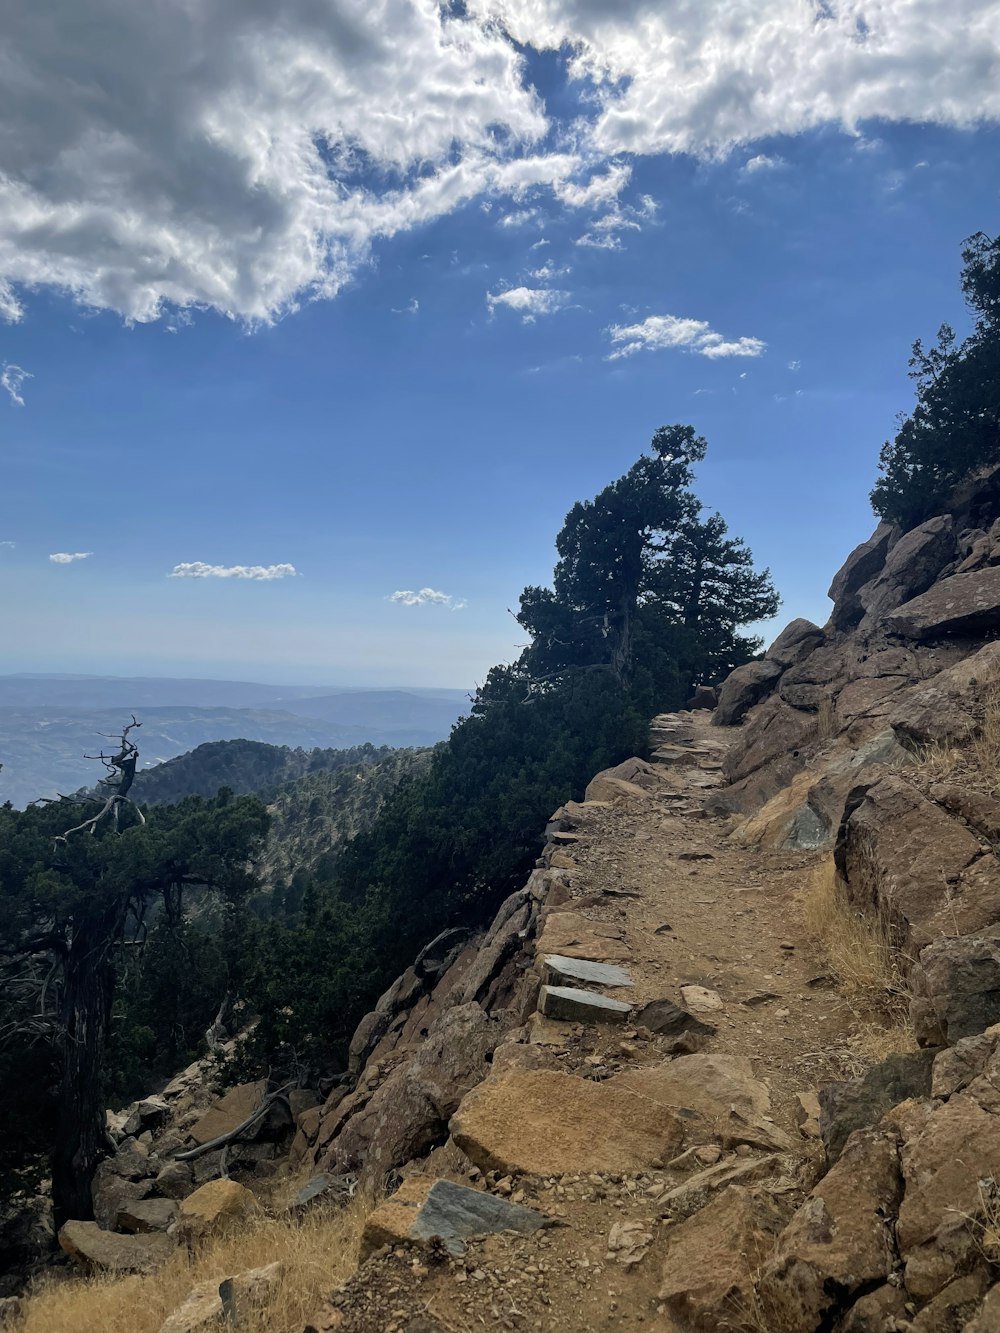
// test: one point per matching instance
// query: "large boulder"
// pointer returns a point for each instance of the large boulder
(839, 1243)
(543, 1122)
(860, 1103)
(966, 604)
(946, 708)
(902, 856)
(913, 564)
(944, 1165)
(743, 688)
(631, 778)
(860, 567)
(224, 1115)
(214, 1207)
(956, 988)
(797, 641)
(708, 1272)
(775, 732)
(108, 1252)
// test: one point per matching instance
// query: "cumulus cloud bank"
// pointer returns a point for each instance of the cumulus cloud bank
(427, 597)
(693, 335)
(11, 379)
(197, 569)
(68, 557)
(244, 157)
(529, 302)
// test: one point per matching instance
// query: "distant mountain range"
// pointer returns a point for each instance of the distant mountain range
(49, 723)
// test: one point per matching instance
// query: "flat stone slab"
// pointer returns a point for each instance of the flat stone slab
(573, 935)
(547, 1123)
(700, 999)
(560, 970)
(424, 1210)
(581, 1006)
(109, 1252)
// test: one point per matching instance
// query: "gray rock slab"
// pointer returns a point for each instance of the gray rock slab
(454, 1213)
(581, 1006)
(560, 970)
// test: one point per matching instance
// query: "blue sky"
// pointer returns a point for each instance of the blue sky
(469, 273)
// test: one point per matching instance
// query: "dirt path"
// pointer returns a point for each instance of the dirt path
(689, 907)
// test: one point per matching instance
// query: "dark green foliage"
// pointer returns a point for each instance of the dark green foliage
(954, 429)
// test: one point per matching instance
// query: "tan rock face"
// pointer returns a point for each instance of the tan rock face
(711, 1260)
(634, 777)
(204, 1307)
(942, 1166)
(839, 1240)
(228, 1112)
(109, 1252)
(710, 1084)
(963, 604)
(574, 936)
(213, 1207)
(542, 1122)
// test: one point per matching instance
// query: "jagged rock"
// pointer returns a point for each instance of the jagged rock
(572, 935)
(229, 1111)
(147, 1215)
(408, 1114)
(959, 1065)
(913, 564)
(987, 1320)
(423, 1209)
(712, 1085)
(980, 812)
(818, 678)
(873, 1312)
(120, 1180)
(704, 696)
(951, 1308)
(945, 709)
(775, 737)
(232, 1298)
(708, 1272)
(966, 604)
(542, 1122)
(176, 1180)
(860, 567)
(807, 1114)
(108, 1252)
(213, 1207)
(559, 971)
(956, 988)
(943, 1166)
(666, 1019)
(504, 938)
(571, 1005)
(634, 777)
(150, 1113)
(795, 643)
(839, 1241)
(743, 688)
(900, 854)
(860, 1103)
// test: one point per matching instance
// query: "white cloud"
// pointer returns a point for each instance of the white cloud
(548, 271)
(69, 557)
(7, 546)
(703, 78)
(12, 378)
(599, 241)
(529, 302)
(694, 335)
(795, 365)
(411, 307)
(245, 156)
(762, 162)
(197, 569)
(427, 597)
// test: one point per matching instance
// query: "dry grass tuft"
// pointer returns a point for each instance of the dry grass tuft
(939, 760)
(826, 719)
(858, 947)
(318, 1252)
(986, 745)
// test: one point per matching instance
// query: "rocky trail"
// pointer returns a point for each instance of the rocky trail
(588, 1123)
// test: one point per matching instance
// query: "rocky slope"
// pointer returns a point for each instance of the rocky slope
(642, 1097)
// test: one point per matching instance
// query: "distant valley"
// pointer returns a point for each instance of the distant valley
(48, 724)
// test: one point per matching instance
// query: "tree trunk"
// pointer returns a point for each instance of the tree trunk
(82, 1133)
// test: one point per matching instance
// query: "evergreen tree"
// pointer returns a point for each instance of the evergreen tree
(954, 428)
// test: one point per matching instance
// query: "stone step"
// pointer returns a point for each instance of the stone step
(581, 1006)
(560, 971)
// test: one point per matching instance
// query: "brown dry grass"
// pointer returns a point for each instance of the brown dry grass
(317, 1252)
(986, 745)
(826, 719)
(858, 947)
(939, 761)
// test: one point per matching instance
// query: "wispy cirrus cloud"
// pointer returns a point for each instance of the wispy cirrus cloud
(763, 163)
(12, 378)
(660, 332)
(198, 569)
(427, 597)
(529, 302)
(68, 557)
